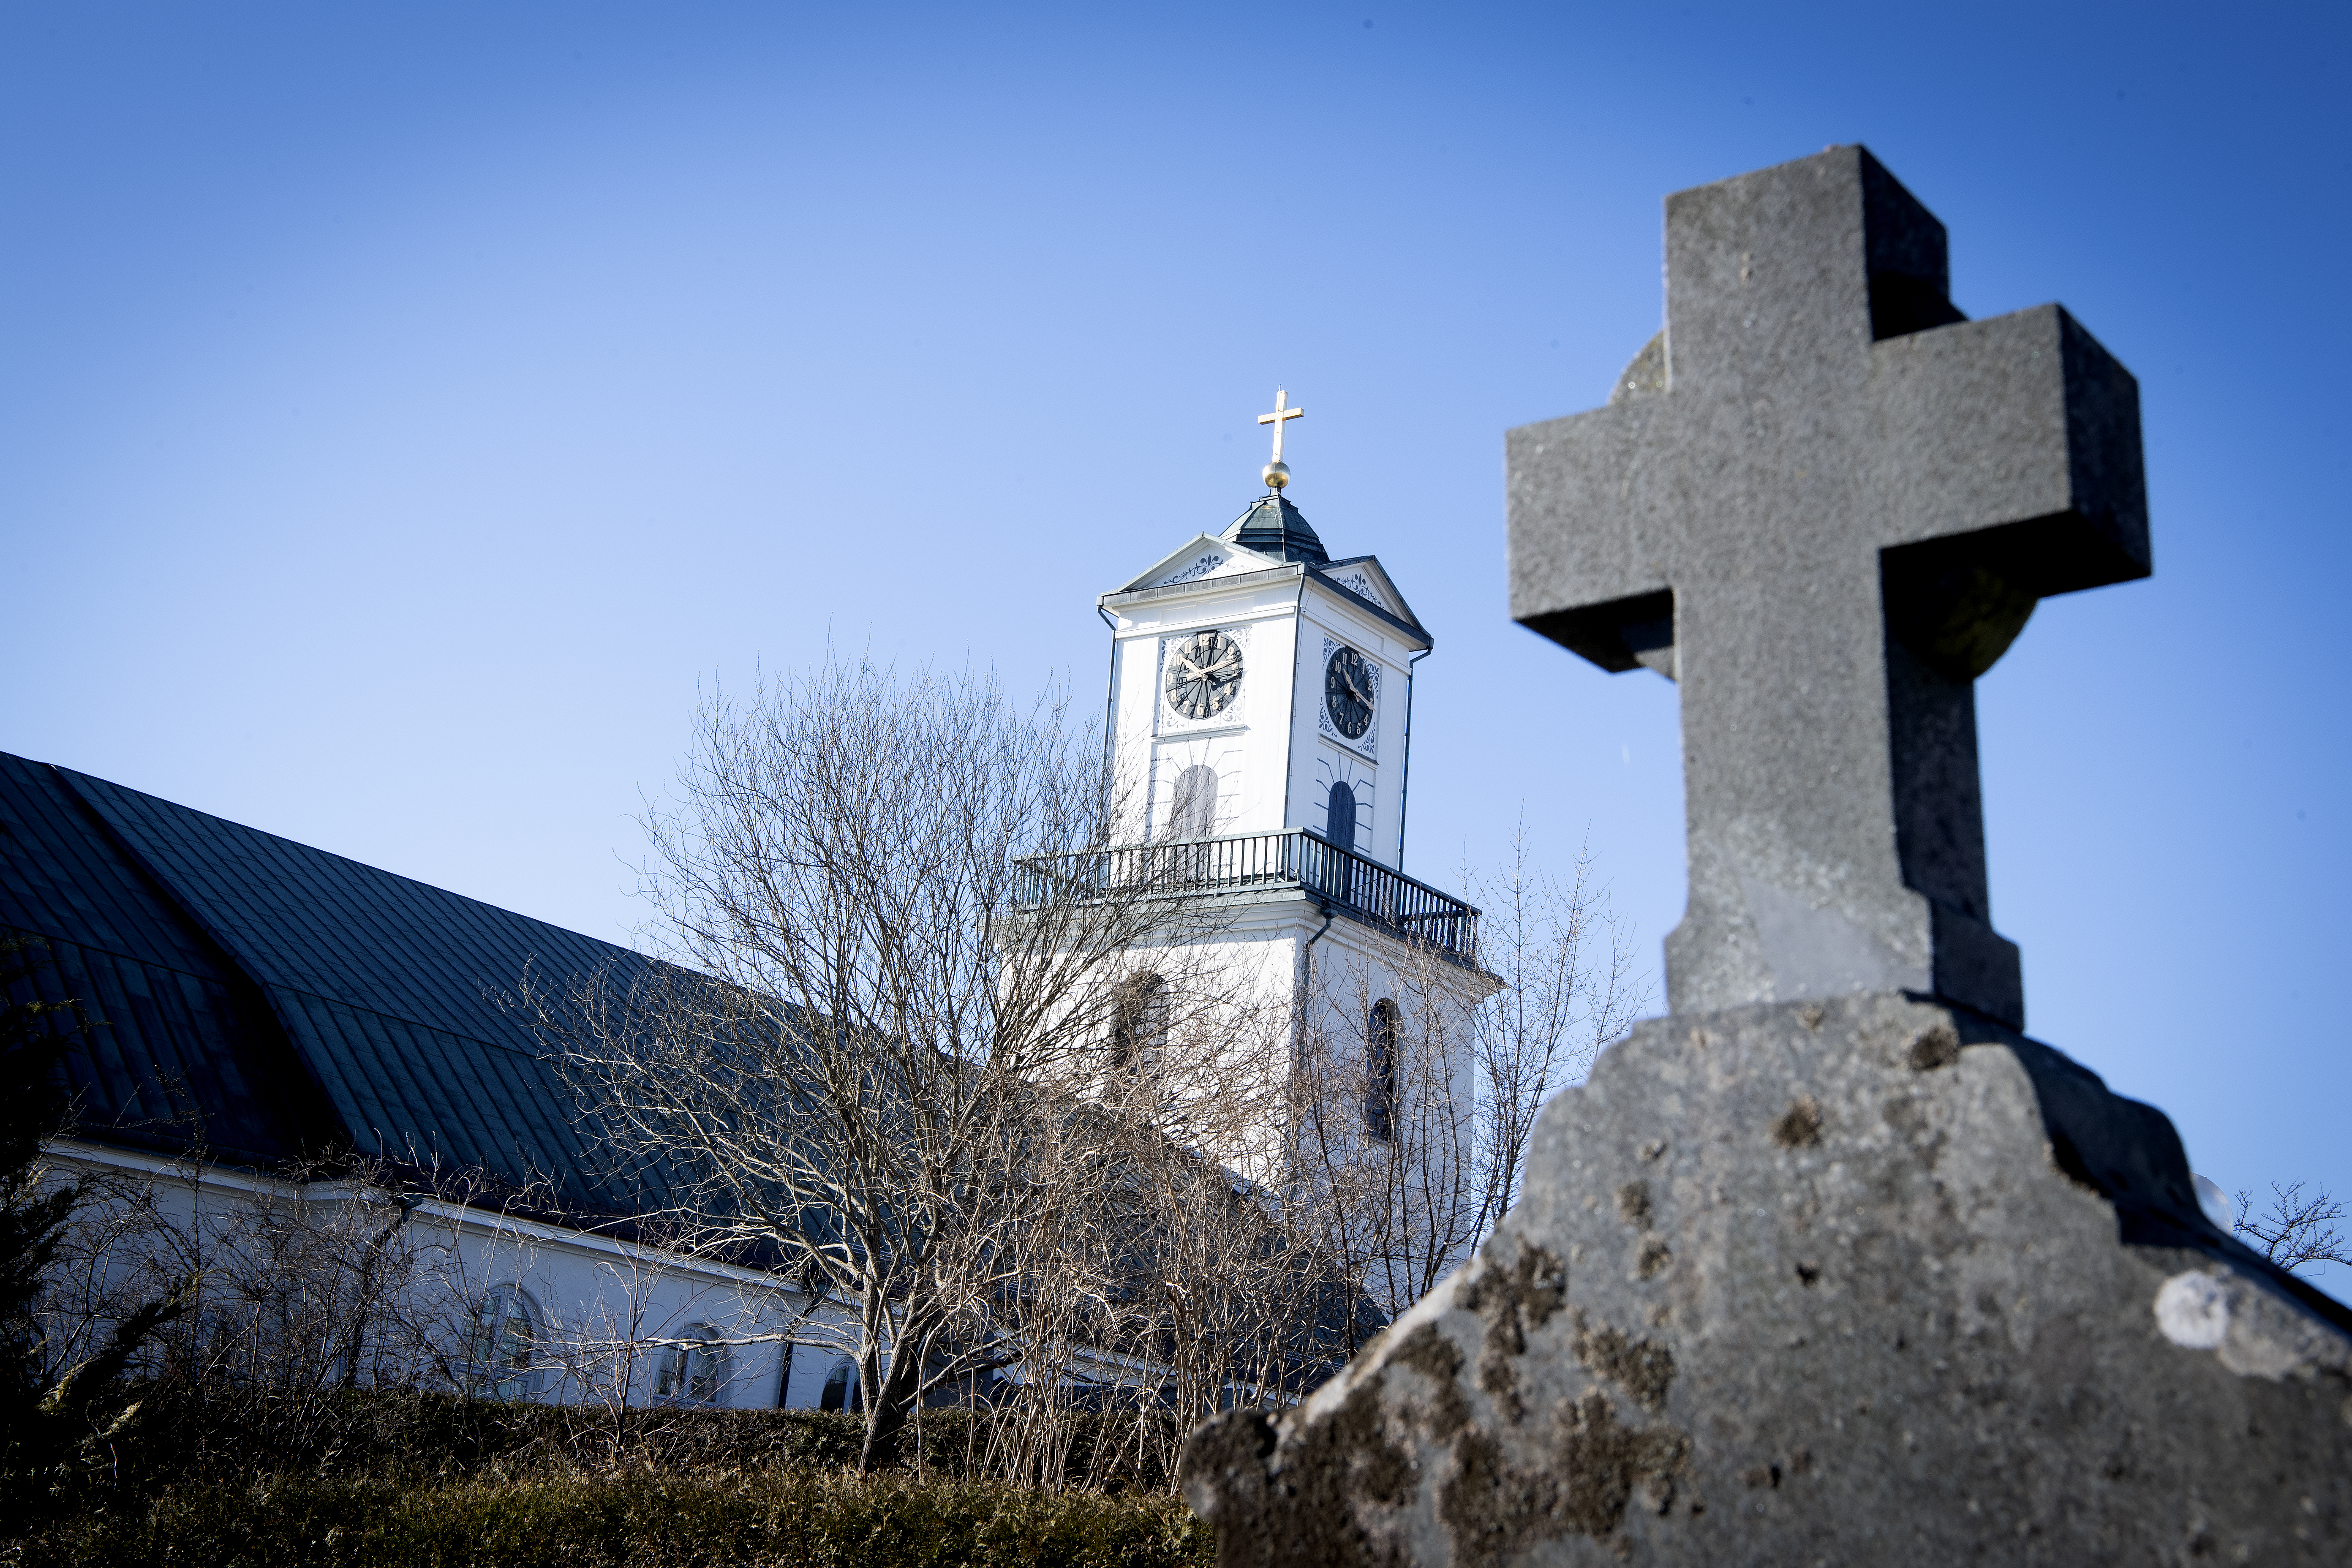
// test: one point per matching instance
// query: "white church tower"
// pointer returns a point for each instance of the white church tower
(1269, 686)
(1261, 713)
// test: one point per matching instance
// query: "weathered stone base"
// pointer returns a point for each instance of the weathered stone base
(1869, 1281)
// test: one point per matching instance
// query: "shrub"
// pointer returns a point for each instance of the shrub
(224, 1433)
(225, 1477)
(801, 1517)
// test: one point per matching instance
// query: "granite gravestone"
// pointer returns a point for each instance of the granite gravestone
(1824, 503)
(1832, 1264)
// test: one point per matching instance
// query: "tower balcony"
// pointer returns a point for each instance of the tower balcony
(1260, 863)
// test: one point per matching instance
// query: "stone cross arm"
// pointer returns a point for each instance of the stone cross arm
(1824, 502)
(2009, 444)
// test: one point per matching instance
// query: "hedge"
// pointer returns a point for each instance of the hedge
(800, 1518)
(237, 1435)
(241, 1476)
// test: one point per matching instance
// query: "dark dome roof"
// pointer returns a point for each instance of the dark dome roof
(1274, 527)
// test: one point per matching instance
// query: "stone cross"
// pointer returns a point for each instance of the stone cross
(1823, 1269)
(1823, 502)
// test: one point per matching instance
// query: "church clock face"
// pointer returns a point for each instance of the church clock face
(1347, 692)
(1205, 671)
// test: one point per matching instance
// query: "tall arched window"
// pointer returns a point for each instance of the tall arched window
(692, 1373)
(1192, 813)
(1381, 1071)
(502, 1349)
(1139, 1022)
(842, 1388)
(1339, 819)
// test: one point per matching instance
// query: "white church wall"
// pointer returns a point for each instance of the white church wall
(1219, 1071)
(1374, 761)
(604, 1303)
(1434, 1109)
(1226, 753)
(1253, 729)
(1328, 765)
(1247, 1008)
(1363, 966)
(603, 1316)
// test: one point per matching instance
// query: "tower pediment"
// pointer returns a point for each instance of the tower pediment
(1203, 556)
(1363, 576)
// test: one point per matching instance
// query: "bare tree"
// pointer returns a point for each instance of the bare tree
(1386, 1126)
(880, 1059)
(2295, 1230)
(1421, 1079)
(1169, 1288)
(1008, 1105)
(1568, 987)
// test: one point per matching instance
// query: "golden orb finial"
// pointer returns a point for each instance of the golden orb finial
(1276, 475)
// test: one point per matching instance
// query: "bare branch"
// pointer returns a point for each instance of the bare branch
(2295, 1230)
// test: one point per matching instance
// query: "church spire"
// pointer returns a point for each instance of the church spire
(1273, 526)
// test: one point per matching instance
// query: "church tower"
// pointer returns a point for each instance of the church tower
(1263, 686)
(1261, 725)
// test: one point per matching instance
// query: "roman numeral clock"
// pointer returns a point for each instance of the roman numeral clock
(1205, 671)
(1348, 687)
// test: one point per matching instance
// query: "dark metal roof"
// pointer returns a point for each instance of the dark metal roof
(282, 999)
(1274, 527)
(183, 1051)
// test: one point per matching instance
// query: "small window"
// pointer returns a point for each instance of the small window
(502, 1350)
(1381, 1071)
(841, 1389)
(1139, 1024)
(1193, 812)
(1340, 821)
(694, 1371)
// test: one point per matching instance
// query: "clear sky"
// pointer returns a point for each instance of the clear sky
(406, 410)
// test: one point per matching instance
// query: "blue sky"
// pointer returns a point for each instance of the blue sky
(405, 411)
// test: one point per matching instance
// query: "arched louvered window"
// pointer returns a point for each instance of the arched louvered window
(694, 1371)
(1339, 822)
(841, 1389)
(1381, 1071)
(1139, 1022)
(1192, 814)
(502, 1349)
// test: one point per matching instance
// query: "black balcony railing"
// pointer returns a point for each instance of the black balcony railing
(1249, 862)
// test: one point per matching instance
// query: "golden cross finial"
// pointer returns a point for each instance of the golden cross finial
(1277, 472)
